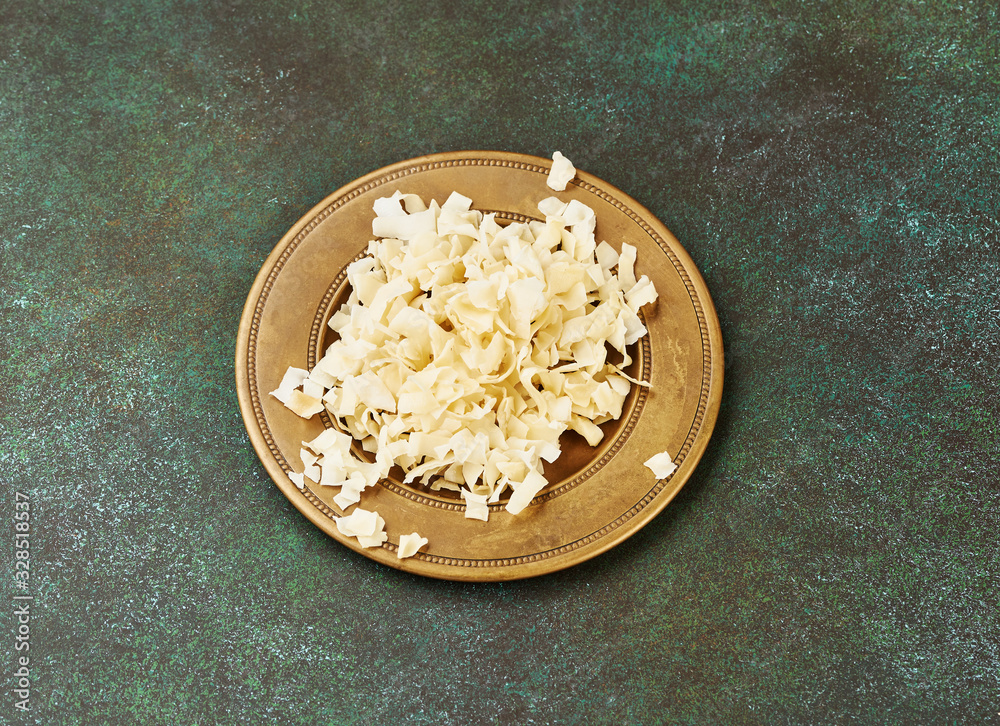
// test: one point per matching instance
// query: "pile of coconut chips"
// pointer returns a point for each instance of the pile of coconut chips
(466, 349)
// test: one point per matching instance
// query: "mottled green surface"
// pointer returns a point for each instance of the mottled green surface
(832, 167)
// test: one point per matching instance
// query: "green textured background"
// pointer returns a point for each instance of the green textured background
(832, 167)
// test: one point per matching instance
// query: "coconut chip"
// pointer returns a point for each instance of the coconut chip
(662, 465)
(409, 544)
(561, 173)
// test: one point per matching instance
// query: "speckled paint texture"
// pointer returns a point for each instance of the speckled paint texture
(832, 167)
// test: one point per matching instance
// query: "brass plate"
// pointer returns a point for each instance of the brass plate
(597, 497)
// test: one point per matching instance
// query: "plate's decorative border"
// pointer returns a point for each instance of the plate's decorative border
(340, 201)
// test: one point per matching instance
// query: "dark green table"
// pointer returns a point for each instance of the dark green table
(832, 167)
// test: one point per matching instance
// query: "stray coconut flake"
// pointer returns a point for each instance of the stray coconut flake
(662, 465)
(561, 173)
(360, 522)
(475, 506)
(368, 527)
(409, 544)
(303, 405)
(377, 538)
(292, 379)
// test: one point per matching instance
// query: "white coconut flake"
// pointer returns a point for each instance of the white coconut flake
(662, 465)
(409, 544)
(457, 203)
(476, 506)
(292, 379)
(525, 491)
(406, 226)
(561, 173)
(377, 537)
(359, 523)
(350, 491)
(303, 405)
(552, 206)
